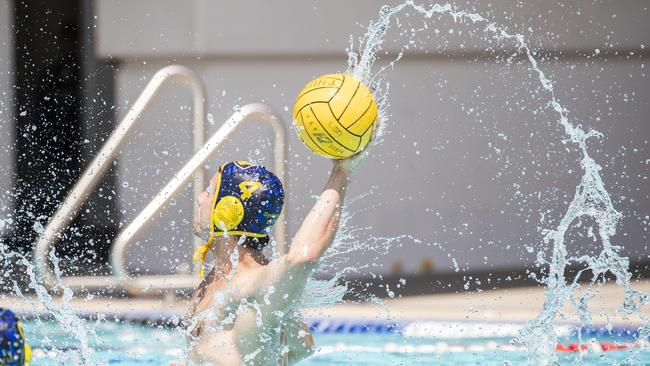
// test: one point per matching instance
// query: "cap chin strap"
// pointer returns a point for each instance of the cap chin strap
(202, 252)
(27, 350)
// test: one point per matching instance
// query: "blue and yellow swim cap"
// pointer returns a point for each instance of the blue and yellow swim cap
(14, 350)
(247, 201)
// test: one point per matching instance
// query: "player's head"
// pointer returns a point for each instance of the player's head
(244, 199)
(14, 350)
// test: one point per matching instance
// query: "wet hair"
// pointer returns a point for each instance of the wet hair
(255, 243)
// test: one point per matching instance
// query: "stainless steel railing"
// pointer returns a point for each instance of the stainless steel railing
(91, 176)
(247, 114)
(98, 167)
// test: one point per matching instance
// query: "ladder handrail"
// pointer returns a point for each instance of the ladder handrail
(248, 113)
(100, 164)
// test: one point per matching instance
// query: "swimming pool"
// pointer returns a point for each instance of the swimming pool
(132, 344)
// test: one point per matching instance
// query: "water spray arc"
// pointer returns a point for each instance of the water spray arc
(591, 199)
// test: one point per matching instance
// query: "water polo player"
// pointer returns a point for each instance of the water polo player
(14, 350)
(242, 311)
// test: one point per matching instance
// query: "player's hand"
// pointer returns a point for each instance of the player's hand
(352, 163)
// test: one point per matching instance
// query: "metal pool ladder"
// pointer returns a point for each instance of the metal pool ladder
(151, 285)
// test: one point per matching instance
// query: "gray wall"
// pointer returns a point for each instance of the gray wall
(472, 167)
(6, 111)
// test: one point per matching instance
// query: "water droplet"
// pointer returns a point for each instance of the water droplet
(38, 227)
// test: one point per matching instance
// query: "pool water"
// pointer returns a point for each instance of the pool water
(129, 344)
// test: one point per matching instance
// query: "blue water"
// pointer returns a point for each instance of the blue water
(127, 344)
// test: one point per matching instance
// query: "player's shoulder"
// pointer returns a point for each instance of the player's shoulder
(264, 275)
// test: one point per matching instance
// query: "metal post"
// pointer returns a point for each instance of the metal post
(93, 173)
(249, 113)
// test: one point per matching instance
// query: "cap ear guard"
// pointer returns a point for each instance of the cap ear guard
(227, 214)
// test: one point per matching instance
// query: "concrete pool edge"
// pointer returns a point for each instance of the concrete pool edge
(421, 328)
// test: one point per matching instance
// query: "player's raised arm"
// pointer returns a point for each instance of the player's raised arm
(335, 116)
(284, 279)
(319, 227)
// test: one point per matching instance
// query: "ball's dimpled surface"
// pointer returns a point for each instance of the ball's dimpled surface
(334, 115)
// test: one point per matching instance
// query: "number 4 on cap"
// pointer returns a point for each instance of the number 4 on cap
(247, 189)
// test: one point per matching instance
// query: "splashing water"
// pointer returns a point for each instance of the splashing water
(327, 286)
(591, 199)
(62, 312)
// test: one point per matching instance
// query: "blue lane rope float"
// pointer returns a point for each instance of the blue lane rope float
(616, 332)
(346, 326)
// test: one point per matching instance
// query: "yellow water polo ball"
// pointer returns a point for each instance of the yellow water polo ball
(334, 115)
